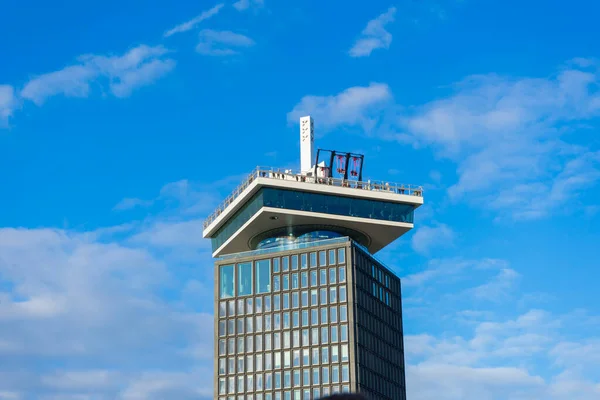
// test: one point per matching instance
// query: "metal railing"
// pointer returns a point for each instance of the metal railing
(289, 175)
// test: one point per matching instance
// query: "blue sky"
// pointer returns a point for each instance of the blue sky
(123, 124)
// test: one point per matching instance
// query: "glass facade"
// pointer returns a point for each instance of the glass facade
(288, 339)
(305, 201)
(306, 323)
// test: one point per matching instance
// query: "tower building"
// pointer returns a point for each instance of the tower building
(303, 308)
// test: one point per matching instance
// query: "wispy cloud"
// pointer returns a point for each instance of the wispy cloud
(221, 43)
(353, 106)
(429, 237)
(191, 24)
(7, 102)
(243, 5)
(138, 67)
(374, 36)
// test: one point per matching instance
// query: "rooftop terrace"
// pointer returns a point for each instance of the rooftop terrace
(289, 175)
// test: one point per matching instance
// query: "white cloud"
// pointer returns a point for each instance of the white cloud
(353, 106)
(497, 289)
(443, 268)
(374, 36)
(191, 24)
(221, 43)
(7, 102)
(506, 136)
(77, 300)
(138, 67)
(243, 5)
(501, 360)
(428, 237)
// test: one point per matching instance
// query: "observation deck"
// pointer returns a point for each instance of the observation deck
(271, 202)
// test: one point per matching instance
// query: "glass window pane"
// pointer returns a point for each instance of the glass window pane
(222, 309)
(332, 276)
(226, 281)
(313, 278)
(244, 279)
(305, 298)
(303, 261)
(332, 294)
(276, 265)
(343, 314)
(342, 274)
(286, 282)
(295, 281)
(294, 262)
(276, 285)
(322, 258)
(313, 259)
(263, 276)
(295, 300)
(331, 257)
(304, 282)
(267, 303)
(341, 256)
(342, 293)
(323, 279)
(285, 264)
(344, 333)
(345, 356)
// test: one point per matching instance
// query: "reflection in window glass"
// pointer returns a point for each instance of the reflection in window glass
(259, 363)
(306, 379)
(345, 353)
(322, 258)
(342, 274)
(295, 281)
(285, 264)
(222, 347)
(314, 336)
(304, 279)
(223, 309)
(267, 300)
(305, 318)
(303, 261)
(342, 293)
(295, 319)
(315, 356)
(294, 262)
(286, 301)
(231, 307)
(324, 335)
(295, 300)
(341, 256)
(325, 378)
(332, 294)
(258, 304)
(286, 320)
(286, 282)
(332, 276)
(314, 297)
(323, 278)
(277, 380)
(277, 359)
(335, 356)
(276, 265)
(267, 322)
(335, 374)
(345, 373)
(332, 257)
(249, 306)
(244, 279)
(323, 296)
(343, 314)
(250, 363)
(258, 327)
(276, 303)
(323, 315)
(277, 321)
(276, 286)
(313, 259)
(249, 344)
(231, 327)
(313, 278)
(344, 333)
(263, 276)
(334, 334)
(333, 314)
(226, 281)
(305, 298)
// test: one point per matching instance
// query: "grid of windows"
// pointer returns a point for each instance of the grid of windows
(379, 350)
(287, 336)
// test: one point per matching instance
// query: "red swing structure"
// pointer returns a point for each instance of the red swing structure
(339, 165)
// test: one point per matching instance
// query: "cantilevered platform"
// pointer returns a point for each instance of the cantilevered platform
(272, 202)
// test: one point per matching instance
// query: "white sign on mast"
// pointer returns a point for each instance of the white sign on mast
(307, 138)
